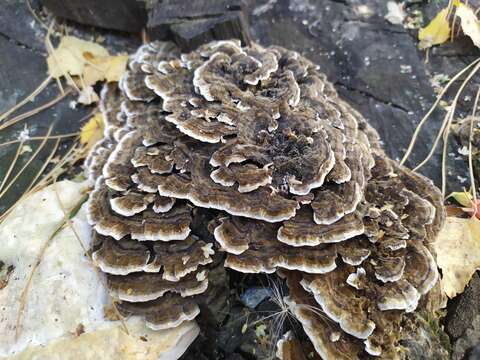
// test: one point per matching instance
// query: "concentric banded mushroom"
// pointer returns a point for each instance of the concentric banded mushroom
(296, 180)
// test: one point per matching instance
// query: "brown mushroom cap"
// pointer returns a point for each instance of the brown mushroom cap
(141, 287)
(148, 225)
(166, 312)
(175, 259)
(329, 340)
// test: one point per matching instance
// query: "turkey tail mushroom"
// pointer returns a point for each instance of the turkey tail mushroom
(295, 178)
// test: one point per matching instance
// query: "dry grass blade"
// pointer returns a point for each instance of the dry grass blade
(12, 165)
(30, 97)
(45, 164)
(70, 157)
(449, 123)
(470, 160)
(51, 52)
(35, 111)
(34, 155)
(34, 138)
(35, 15)
(434, 106)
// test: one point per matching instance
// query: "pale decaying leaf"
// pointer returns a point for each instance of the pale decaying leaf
(469, 22)
(109, 68)
(87, 62)
(92, 131)
(396, 13)
(462, 197)
(71, 56)
(458, 253)
(436, 32)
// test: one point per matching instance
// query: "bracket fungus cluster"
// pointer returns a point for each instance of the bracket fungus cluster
(297, 184)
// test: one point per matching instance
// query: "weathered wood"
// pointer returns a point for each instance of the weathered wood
(124, 15)
(190, 34)
(191, 24)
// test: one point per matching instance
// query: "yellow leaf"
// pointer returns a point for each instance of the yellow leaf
(462, 197)
(92, 131)
(469, 23)
(109, 68)
(71, 56)
(435, 33)
(458, 253)
(116, 67)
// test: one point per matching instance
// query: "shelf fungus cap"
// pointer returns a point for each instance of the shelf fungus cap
(253, 247)
(173, 260)
(167, 312)
(147, 225)
(141, 287)
(340, 303)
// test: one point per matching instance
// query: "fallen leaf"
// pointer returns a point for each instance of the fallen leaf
(469, 23)
(462, 197)
(436, 32)
(458, 253)
(92, 131)
(72, 55)
(109, 68)
(396, 13)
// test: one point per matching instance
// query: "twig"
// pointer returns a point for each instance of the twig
(68, 219)
(48, 178)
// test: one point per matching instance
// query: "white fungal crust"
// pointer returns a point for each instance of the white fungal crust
(295, 179)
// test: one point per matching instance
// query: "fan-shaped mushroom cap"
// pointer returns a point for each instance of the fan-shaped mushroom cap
(166, 312)
(340, 302)
(329, 340)
(175, 259)
(302, 231)
(141, 287)
(148, 225)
